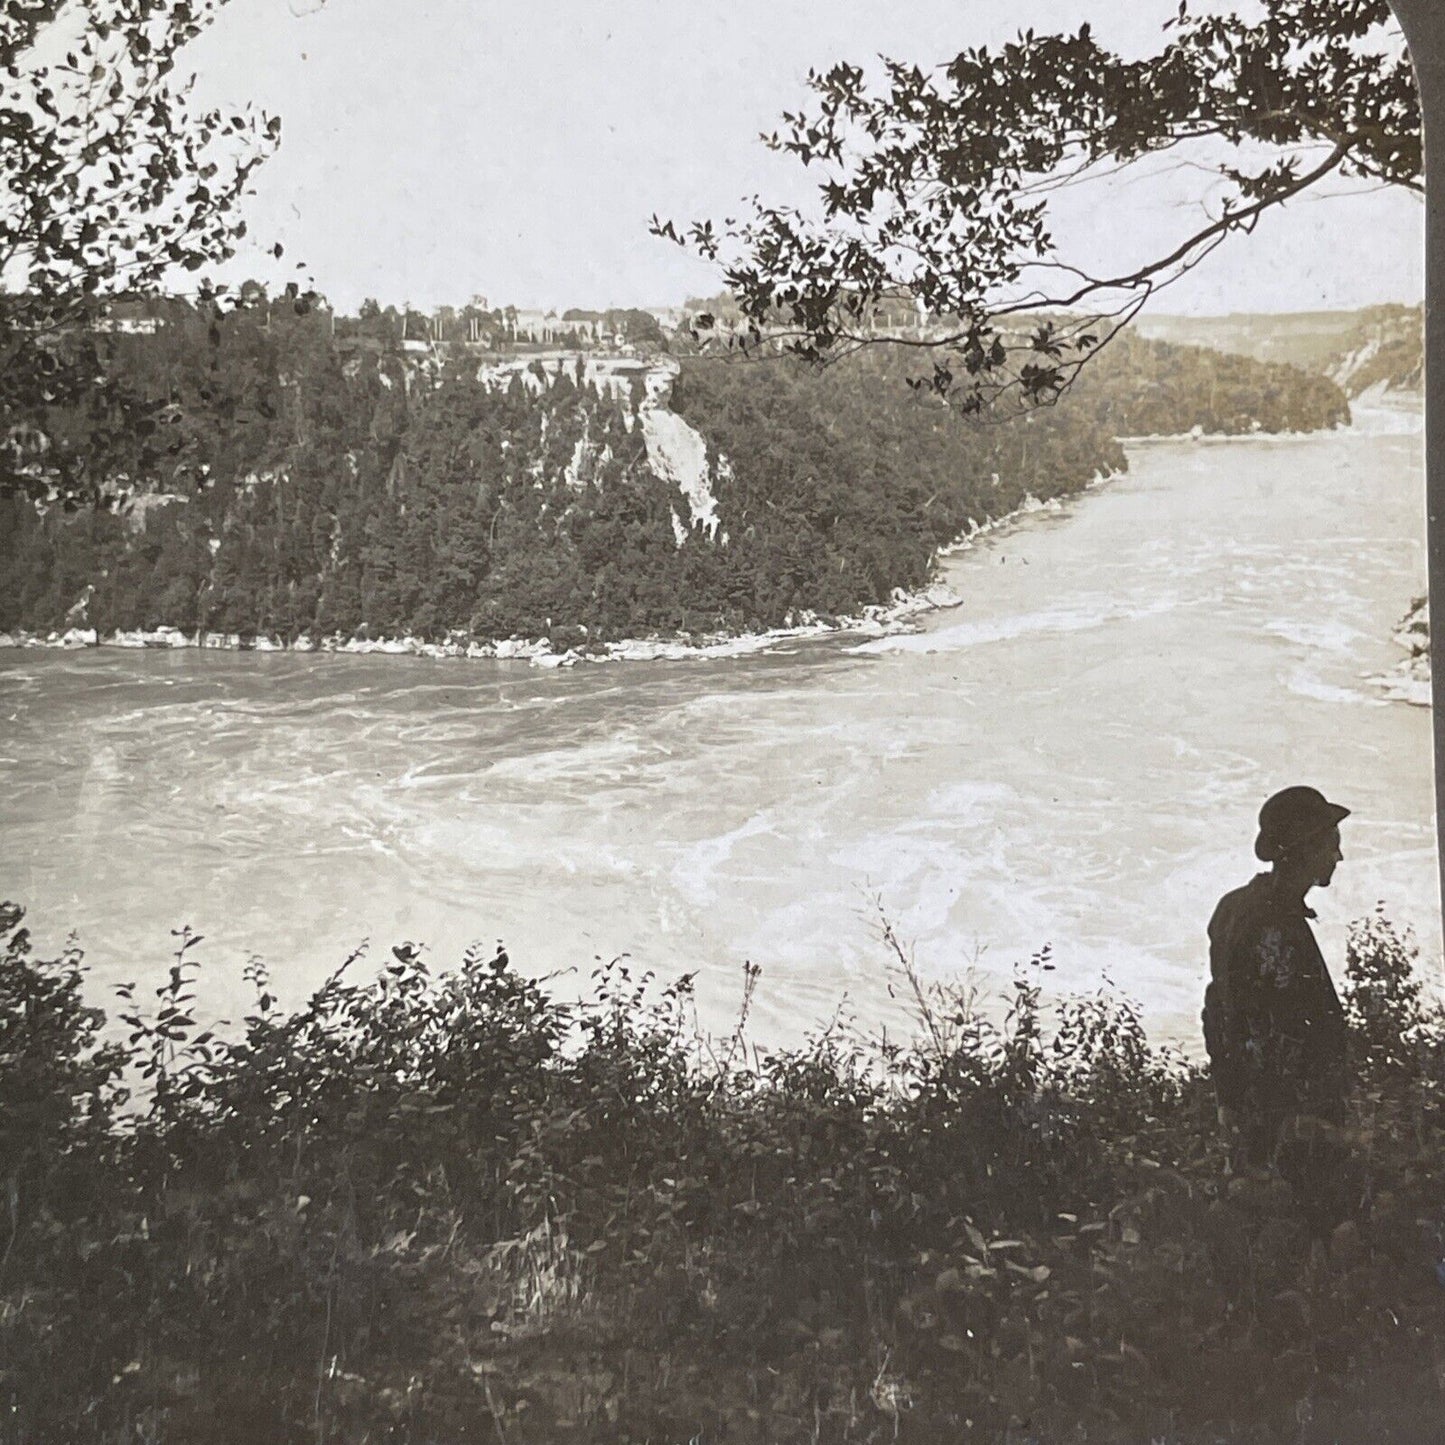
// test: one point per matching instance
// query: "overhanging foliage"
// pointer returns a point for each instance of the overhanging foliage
(112, 184)
(935, 185)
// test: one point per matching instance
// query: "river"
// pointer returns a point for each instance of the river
(1074, 758)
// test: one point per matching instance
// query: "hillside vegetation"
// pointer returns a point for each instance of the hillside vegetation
(319, 486)
(445, 1206)
(1378, 345)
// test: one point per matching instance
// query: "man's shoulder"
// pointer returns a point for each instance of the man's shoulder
(1252, 900)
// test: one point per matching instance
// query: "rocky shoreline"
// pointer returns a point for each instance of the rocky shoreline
(1409, 680)
(873, 621)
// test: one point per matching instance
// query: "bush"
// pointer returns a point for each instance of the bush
(445, 1205)
(58, 1082)
(1383, 998)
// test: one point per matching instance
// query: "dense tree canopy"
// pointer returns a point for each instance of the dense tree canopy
(935, 185)
(341, 485)
(111, 184)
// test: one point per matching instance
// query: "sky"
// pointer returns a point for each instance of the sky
(433, 150)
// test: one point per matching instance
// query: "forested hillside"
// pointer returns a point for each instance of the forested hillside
(1149, 388)
(1386, 346)
(1355, 349)
(337, 485)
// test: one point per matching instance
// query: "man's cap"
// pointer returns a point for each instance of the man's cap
(1294, 816)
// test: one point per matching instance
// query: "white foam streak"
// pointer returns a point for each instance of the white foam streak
(1005, 629)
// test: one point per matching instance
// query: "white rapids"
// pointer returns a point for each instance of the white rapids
(1073, 757)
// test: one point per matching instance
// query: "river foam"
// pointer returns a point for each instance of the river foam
(1075, 760)
(1080, 616)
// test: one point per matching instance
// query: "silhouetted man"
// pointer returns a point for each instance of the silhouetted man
(1273, 1024)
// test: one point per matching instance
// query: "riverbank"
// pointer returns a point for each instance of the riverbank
(873, 621)
(1409, 680)
(444, 1205)
(899, 614)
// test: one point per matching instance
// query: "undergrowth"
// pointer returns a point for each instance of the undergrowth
(446, 1206)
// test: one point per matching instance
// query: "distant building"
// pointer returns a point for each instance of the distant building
(130, 325)
(531, 325)
(578, 328)
(128, 317)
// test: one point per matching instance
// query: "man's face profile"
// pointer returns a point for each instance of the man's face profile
(1323, 855)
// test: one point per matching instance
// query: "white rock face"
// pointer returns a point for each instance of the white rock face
(1031, 503)
(1355, 362)
(522, 647)
(677, 454)
(573, 473)
(160, 637)
(1409, 682)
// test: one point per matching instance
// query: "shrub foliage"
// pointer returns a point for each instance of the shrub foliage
(450, 1206)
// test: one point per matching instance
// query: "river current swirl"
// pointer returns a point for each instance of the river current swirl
(1074, 757)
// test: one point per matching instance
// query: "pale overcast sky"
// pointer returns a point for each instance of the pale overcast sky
(433, 149)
